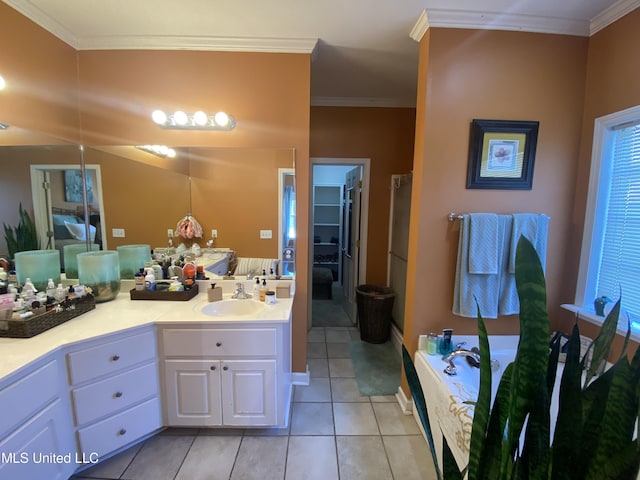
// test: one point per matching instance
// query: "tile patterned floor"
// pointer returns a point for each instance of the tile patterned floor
(334, 434)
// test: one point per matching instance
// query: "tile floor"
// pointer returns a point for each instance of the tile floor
(334, 433)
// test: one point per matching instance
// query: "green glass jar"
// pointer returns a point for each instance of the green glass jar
(70, 253)
(100, 271)
(132, 259)
(39, 266)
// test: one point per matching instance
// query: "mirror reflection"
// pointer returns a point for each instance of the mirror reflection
(133, 197)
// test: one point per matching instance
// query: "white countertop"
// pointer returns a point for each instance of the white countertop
(122, 314)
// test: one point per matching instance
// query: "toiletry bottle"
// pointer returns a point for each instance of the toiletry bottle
(271, 275)
(139, 280)
(214, 294)
(61, 293)
(263, 290)
(445, 341)
(256, 289)
(51, 288)
(150, 280)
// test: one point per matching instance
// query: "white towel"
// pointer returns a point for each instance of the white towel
(483, 243)
(469, 287)
(535, 228)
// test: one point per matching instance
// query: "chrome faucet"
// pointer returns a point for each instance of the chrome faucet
(459, 351)
(240, 293)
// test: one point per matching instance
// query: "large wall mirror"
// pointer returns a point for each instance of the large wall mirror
(139, 196)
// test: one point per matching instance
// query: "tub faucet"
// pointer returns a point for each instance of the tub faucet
(240, 293)
(451, 368)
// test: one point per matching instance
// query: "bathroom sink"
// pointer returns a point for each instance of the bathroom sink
(232, 307)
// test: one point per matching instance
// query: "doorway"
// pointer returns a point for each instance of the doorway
(340, 198)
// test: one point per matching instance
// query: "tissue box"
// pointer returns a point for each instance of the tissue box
(283, 290)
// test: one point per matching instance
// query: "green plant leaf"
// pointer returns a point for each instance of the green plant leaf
(534, 461)
(451, 471)
(568, 429)
(533, 349)
(483, 404)
(420, 404)
(602, 343)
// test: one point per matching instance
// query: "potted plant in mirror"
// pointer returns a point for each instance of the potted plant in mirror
(595, 431)
(21, 237)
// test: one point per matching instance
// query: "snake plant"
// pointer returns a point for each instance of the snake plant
(595, 431)
(23, 236)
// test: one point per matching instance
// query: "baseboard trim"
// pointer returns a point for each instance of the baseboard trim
(406, 404)
(396, 338)
(300, 378)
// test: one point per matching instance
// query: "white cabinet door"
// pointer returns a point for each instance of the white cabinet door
(249, 392)
(41, 449)
(192, 392)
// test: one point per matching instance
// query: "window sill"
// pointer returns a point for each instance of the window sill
(590, 316)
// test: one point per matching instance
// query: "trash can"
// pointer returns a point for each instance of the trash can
(374, 312)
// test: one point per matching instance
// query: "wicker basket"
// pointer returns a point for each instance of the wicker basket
(36, 324)
(374, 312)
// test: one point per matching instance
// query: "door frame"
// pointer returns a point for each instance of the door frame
(364, 214)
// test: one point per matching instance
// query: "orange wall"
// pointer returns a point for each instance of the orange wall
(40, 72)
(612, 85)
(467, 74)
(385, 135)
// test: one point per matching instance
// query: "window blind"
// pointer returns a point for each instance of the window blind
(620, 256)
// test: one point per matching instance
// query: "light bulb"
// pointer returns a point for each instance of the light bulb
(2, 83)
(200, 118)
(221, 119)
(159, 117)
(171, 153)
(180, 117)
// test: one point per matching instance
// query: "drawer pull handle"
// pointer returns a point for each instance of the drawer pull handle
(212, 367)
(115, 358)
(117, 394)
(225, 368)
(218, 344)
(122, 431)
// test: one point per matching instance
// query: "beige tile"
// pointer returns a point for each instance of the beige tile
(159, 458)
(318, 390)
(269, 432)
(113, 467)
(392, 421)
(316, 334)
(383, 399)
(316, 350)
(261, 458)
(337, 335)
(362, 457)
(312, 419)
(338, 350)
(210, 458)
(346, 390)
(409, 457)
(354, 419)
(318, 367)
(221, 432)
(312, 458)
(180, 431)
(341, 368)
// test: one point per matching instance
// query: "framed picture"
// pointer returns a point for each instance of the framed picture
(501, 154)
(73, 187)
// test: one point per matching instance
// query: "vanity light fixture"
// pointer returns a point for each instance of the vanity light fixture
(2, 83)
(193, 121)
(159, 150)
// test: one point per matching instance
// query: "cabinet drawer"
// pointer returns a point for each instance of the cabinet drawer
(114, 432)
(220, 342)
(27, 395)
(110, 357)
(114, 393)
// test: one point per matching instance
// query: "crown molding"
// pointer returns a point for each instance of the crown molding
(33, 13)
(506, 21)
(420, 28)
(361, 102)
(611, 14)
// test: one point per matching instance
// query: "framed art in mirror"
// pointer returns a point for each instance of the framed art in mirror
(502, 154)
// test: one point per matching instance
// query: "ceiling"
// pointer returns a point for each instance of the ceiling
(364, 52)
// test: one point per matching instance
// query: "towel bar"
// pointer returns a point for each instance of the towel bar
(454, 216)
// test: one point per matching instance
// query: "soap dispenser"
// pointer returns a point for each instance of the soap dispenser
(263, 290)
(256, 289)
(214, 294)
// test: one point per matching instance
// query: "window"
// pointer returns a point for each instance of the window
(610, 259)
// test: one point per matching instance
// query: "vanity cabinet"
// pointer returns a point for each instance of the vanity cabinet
(36, 438)
(225, 376)
(114, 391)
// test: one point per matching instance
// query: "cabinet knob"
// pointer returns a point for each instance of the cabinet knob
(117, 394)
(115, 358)
(218, 344)
(225, 368)
(212, 367)
(122, 431)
